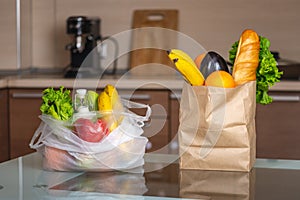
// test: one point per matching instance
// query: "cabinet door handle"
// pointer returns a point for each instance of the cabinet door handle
(291, 98)
(175, 96)
(136, 96)
(27, 95)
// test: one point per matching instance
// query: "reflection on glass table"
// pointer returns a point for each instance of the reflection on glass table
(24, 178)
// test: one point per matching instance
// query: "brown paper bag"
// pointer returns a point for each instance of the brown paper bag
(214, 185)
(217, 127)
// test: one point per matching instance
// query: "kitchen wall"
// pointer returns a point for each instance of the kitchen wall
(215, 24)
(8, 35)
(7, 38)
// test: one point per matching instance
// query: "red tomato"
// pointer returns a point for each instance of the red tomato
(90, 131)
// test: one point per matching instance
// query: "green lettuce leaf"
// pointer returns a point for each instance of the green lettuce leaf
(57, 103)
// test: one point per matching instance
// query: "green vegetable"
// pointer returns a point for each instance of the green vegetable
(267, 73)
(57, 103)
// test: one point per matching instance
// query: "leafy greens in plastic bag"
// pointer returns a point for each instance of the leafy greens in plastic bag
(57, 103)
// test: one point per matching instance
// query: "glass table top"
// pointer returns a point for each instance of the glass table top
(24, 178)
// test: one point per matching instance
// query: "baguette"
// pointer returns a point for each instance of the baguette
(247, 58)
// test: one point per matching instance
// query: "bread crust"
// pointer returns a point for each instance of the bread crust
(247, 58)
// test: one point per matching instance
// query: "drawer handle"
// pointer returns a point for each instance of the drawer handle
(27, 95)
(175, 96)
(136, 96)
(285, 98)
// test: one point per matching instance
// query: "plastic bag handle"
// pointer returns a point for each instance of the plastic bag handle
(131, 104)
(39, 134)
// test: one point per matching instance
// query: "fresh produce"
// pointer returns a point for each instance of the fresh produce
(197, 72)
(56, 158)
(57, 103)
(220, 78)
(211, 62)
(110, 106)
(90, 131)
(199, 59)
(108, 98)
(92, 98)
(103, 115)
(251, 60)
(267, 73)
(247, 58)
(186, 66)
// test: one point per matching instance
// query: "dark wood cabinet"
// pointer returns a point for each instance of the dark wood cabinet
(4, 147)
(24, 110)
(278, 127)
(174, 121)
(157, 130)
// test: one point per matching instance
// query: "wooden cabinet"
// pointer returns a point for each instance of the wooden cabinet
(174, 121)
(157, 129)
(4, 148)
(278, 127)
(24, 110)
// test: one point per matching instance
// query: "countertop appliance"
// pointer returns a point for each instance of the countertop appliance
(290, 68)
(85, 58)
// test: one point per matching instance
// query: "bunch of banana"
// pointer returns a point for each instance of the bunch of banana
(186, 66)
(109, 101)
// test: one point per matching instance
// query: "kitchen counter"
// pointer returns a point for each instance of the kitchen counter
(23, 178)
(121, 82)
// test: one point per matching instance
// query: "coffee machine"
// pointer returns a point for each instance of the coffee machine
(85, 57)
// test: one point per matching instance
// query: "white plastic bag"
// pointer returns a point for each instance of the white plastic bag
(122, 149)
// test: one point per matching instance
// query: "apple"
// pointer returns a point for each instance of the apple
(90, 131)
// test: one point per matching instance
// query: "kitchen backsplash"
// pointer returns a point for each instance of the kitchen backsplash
(215, 24)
